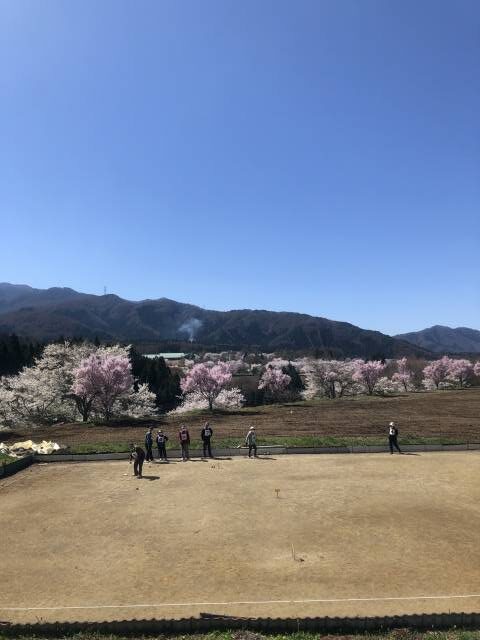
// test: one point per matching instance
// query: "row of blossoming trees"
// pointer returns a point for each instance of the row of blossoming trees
(336, 378)
(209, 384)
(71, 382)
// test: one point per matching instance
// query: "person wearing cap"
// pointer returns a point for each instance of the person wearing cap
(138, 456)
(251, 442)
(161, 445)
(149, 444)
(392, 437)
(184, 438)
(206, 435)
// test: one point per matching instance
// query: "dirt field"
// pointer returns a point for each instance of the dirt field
(372, 534)
(444, 414)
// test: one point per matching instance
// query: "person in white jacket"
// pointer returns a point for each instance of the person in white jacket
(251, 442)
(392, 437)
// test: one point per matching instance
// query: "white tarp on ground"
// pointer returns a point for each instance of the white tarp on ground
(20, 448)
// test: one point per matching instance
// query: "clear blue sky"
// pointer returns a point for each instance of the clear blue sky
(319, 156)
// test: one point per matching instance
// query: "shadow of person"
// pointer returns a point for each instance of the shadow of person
(150, 477)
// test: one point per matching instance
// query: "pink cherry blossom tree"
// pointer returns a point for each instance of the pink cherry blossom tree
(208, 380)
(101, 379)
(274, 382)
(228, 399)
(368, 374)
(459, 371)
(404, 375)
(436, 373)
(237, 365)
(476, 368)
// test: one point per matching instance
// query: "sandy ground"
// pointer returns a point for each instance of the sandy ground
(373, 534)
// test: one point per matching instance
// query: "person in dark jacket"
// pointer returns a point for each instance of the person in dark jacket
(161, 445)
(184, 438)
(206, 435)
(392, 437)
(138, 457)
(149, 444)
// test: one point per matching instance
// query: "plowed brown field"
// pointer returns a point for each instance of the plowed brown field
(443, 414)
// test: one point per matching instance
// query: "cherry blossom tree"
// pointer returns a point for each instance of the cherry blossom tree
(330, 378)
(102, 379)
(7, 399)
(31, 399)
(459, 371)
(138, 404)
(368, 374)
(436, 373)
(387, 386)
(237, 365)
(208, 379)
(476, 368)
(52, 389)
(277, 363)
(274, 382)
(40, 394)
(404, 375)
(228, 399)
(85, 386)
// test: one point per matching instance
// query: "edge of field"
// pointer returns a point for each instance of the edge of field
(290, 442)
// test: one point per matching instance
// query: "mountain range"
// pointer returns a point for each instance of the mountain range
(47, 314)
(441, 339)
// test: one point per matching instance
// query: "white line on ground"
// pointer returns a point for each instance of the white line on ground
(241, 602)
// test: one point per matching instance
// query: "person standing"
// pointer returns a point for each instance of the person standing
(149, 444)
(392, 437)
(184, 438)
(251, 442)
(206, 435)
(138, 457)
(161, 445)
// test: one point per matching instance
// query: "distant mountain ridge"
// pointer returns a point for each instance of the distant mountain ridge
(46, 314)
(441, 339)
(17, 296)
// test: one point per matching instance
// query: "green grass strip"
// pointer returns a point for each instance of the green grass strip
(284, 441)
(6, 459)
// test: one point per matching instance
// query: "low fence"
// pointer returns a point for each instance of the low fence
(207, 623)
(269, 450)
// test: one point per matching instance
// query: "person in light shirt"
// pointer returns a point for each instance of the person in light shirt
(392, 438)
(251, 442)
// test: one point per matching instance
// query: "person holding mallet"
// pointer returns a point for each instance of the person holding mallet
(138, 457)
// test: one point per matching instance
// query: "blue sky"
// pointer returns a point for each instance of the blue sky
(318, 156)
